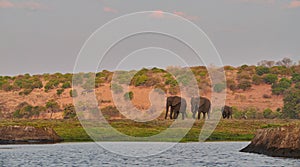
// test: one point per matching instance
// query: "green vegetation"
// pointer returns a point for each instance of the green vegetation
(244, 85)
(24, 110)
(291, 101)
(69, 112)
(281, 87)
(261, 70)
(116, 88)
(270, 78)
(60, 91)
(128, 95)
(227, 130)
(73, 93)
(219, 87)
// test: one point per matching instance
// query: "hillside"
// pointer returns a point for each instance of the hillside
(48, 96)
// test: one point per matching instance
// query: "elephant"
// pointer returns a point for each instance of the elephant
(227, 112)
(200, 105)
(178, 105)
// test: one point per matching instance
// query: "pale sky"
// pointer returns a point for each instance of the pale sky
(45, 36)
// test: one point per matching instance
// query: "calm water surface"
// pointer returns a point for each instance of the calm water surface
(183, 154)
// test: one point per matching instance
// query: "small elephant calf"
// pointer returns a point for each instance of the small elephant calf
(227, 112)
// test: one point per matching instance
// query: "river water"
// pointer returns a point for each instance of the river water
(183, 154)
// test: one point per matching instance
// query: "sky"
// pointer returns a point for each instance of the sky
(46, 36)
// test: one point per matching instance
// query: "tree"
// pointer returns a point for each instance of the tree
(279, 88)
(291, 108)
(261, 70)
(53, 106)
(128, 95)
(270, 78)
(244, 84)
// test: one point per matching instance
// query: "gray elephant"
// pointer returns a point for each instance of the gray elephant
(178, 105)
(200, 105)
(227, 112)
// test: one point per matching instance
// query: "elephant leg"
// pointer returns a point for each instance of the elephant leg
(203, 115)
(199, 114)
(194, 115)
(176, 114)
(171, 113)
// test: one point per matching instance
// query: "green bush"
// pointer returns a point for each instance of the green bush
(267, 113)
(53, 83)
(270, 78)
(139, 80)
(296, 77)
(256, 79)
(116, 88)
(291, 108)
(244, 85)
(297, 85)
(25, 110)
(279, 88)
(52, 105)
(73, 93)
(128, 95)
(219, 87)
(66, 85)
(69, 111)
(261, 70)
(60, 91)
(251, 113)
(231, 85)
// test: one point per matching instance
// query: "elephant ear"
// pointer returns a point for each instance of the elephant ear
(176, 101)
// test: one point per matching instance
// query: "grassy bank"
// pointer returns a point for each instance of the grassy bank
(226, 130)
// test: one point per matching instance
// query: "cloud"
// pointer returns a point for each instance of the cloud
(160, 14)
(20, 5)
(110, 10)
(294, 4)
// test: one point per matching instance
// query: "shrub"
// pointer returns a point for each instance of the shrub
(270, 78)
(261, 70)
(296, 77)
(59, 91)
(219, 87)
(251, 113)
(291, 108)
(52, 105)
(116, 88)
(89, 84)
(25, 92)
(297, 85)
(267, 113)
(231, 85)
(73, 93)
(66, 85)
(157, 70)
(77, 79)
(257, 80)
(279, 88)
(25, 110)
(244, 85)
(128, 95)
(69, 111)
(139, 80)
(53, 83)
